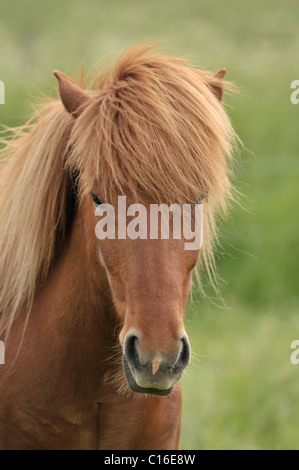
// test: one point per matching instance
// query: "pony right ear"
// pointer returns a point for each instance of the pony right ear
(72, 96)
(218, 89)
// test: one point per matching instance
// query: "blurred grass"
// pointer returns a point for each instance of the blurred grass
(244, 394)
(242, 389)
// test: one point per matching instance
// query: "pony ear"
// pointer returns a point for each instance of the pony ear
(72, 96)
(218, 89)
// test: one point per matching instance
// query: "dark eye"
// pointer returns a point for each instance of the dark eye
(95, 199)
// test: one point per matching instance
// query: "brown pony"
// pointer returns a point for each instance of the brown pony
(94, 337)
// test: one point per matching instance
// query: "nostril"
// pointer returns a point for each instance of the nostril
(184, 357)
(186, 352)
(131, 351)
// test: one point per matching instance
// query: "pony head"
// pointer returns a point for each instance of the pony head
(156, 132)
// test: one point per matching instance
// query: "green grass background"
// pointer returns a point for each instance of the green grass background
(241, 390)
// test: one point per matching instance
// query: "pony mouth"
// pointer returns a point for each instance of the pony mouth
(137, 389)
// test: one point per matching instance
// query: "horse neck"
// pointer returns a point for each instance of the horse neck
(80, 309)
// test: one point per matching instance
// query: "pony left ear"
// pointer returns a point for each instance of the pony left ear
(218, 89)
(72, 96)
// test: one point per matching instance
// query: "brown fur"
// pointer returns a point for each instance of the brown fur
(153, 128)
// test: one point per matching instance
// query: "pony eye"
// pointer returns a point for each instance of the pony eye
(95, 199)
(203, 196)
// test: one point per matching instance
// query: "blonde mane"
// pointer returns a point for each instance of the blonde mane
(153, 126)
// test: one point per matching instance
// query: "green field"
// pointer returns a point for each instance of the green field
(241, 390)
